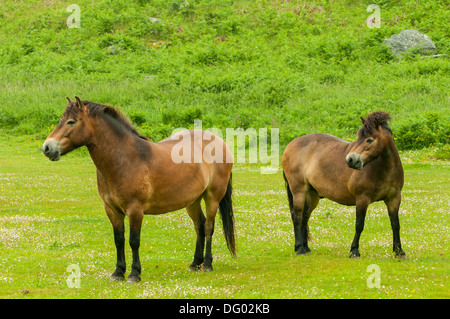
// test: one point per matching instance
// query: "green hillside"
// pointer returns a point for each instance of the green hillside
(301, 66)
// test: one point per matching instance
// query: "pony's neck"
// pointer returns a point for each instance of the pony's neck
(109, 147)
(390, 155)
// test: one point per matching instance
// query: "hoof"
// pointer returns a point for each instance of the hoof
(401, 256)
(133, 279)
(115, 278)
(355, 256)
(207, 269)
(303, 251)
(196, 265)
(195, 268)
(399, 253)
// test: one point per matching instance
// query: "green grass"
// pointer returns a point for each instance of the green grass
(300, 66)
(51, 216)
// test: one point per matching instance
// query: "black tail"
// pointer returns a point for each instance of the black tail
(226, 211)
(291, 203)
(289, 193)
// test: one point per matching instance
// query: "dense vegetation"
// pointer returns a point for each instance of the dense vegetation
(301, 66)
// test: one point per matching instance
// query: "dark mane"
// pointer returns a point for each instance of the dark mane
(96, 110)
(371, 123)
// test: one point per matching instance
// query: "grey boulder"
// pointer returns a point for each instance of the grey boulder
(410, 40)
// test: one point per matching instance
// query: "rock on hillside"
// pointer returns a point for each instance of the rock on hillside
(410, 39)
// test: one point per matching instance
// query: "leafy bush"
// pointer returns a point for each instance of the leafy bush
(443, 153)
(182, 118)
(427, 130)
(155, 131)
(137, 118)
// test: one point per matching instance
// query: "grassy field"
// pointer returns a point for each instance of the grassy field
(51, 217)
(300, 66)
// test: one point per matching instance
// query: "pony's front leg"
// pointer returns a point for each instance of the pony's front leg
(117, 221)
(361, 209)
(135, 217)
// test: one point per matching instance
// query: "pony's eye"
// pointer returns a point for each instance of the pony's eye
(71, 122)
(370, 140)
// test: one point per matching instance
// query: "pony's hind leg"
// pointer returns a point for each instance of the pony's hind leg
(195, 212)
(393, 207)
(298, 209)
(212, 206)
(312, 199)
(135, 217)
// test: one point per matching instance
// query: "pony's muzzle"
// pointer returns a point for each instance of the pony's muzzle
(354, 161)
(52, 149)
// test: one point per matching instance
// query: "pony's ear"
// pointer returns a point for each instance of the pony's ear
(362, 120)
(80, 104)
(70, 101)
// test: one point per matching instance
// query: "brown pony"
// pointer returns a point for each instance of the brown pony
(137, 177)
(359, 173)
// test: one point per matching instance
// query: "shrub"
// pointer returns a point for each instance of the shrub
(182, 118)
(155, 131)
(137, 118)
(443, 153)
(429, 130)
(382, 54)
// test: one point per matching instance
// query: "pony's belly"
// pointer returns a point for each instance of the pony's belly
(341, 196)
(347, 201)
(161, 204)
(158, 210)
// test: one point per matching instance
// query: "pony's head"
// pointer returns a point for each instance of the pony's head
(372, 139)
(72, 131)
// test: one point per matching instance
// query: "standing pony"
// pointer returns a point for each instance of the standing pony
(353, 174)
(137, 177)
